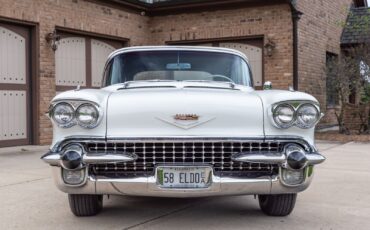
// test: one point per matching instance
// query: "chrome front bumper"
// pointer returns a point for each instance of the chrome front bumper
(147, 186)
(220, 186)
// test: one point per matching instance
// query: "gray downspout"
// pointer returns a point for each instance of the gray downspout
(296, 15)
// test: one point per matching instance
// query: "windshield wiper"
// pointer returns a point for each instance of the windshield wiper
(231, 84)
(127, 83)
(157, 80)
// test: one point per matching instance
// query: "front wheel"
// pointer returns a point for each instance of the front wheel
(85, 205)
(277, 205)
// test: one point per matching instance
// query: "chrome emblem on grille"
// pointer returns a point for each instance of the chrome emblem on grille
(186, 117)
(185, 121)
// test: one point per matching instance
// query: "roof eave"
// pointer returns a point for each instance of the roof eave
(168, 7)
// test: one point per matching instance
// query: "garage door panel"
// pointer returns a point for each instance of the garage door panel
(70, 62)
(13, 123)
(99, 53)
(12, 57)
(254, 55)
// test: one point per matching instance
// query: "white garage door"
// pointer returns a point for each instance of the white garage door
(13, 87)
(254, 55)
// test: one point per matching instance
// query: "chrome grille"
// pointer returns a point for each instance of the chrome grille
(217, 154)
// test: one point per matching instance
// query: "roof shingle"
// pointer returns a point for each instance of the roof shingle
(357, 27)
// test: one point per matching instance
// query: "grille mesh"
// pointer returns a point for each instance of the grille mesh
(217, 154)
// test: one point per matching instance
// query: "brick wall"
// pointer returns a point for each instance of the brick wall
(353, 114)
(319, 32)
(74, 14)
(330, 117)
(272, 21)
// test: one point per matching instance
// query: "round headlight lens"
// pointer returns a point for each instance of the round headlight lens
(63, 114)
(87, 115)
(284, 116)
(307, 116)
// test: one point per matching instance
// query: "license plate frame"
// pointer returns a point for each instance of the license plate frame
(190, 183)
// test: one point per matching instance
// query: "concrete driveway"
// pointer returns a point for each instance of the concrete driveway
(339, 198)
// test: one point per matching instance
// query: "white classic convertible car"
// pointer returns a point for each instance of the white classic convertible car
(182, 122)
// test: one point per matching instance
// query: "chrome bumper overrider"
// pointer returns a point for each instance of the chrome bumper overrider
(147, 186)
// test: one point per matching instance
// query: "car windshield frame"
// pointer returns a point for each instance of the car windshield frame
(179, 67)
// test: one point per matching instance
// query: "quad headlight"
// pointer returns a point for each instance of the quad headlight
(85, 114)
(284, 115)
(304, 115)
(307, 116)
(63, 115)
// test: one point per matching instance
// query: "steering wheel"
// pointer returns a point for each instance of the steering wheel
(223, 77)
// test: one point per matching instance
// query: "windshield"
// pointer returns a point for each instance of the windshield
(177, 66)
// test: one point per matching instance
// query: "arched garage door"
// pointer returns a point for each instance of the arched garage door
(14, 82)
(80, 60)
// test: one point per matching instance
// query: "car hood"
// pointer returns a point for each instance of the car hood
(203, 109)
(187, 111)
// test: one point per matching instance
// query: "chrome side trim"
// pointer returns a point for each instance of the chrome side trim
(54, 159)
(107, 158)
(268, 158)
(281, 158)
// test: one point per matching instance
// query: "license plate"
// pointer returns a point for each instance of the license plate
(184, 176)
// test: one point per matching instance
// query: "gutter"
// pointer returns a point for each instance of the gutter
(180, 6)
(296, 15)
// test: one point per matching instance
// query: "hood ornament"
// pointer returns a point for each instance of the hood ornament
(186, 117)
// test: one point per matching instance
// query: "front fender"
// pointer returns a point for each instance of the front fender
(271, 97)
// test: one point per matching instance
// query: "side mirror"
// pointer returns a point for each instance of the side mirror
(267, 85)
